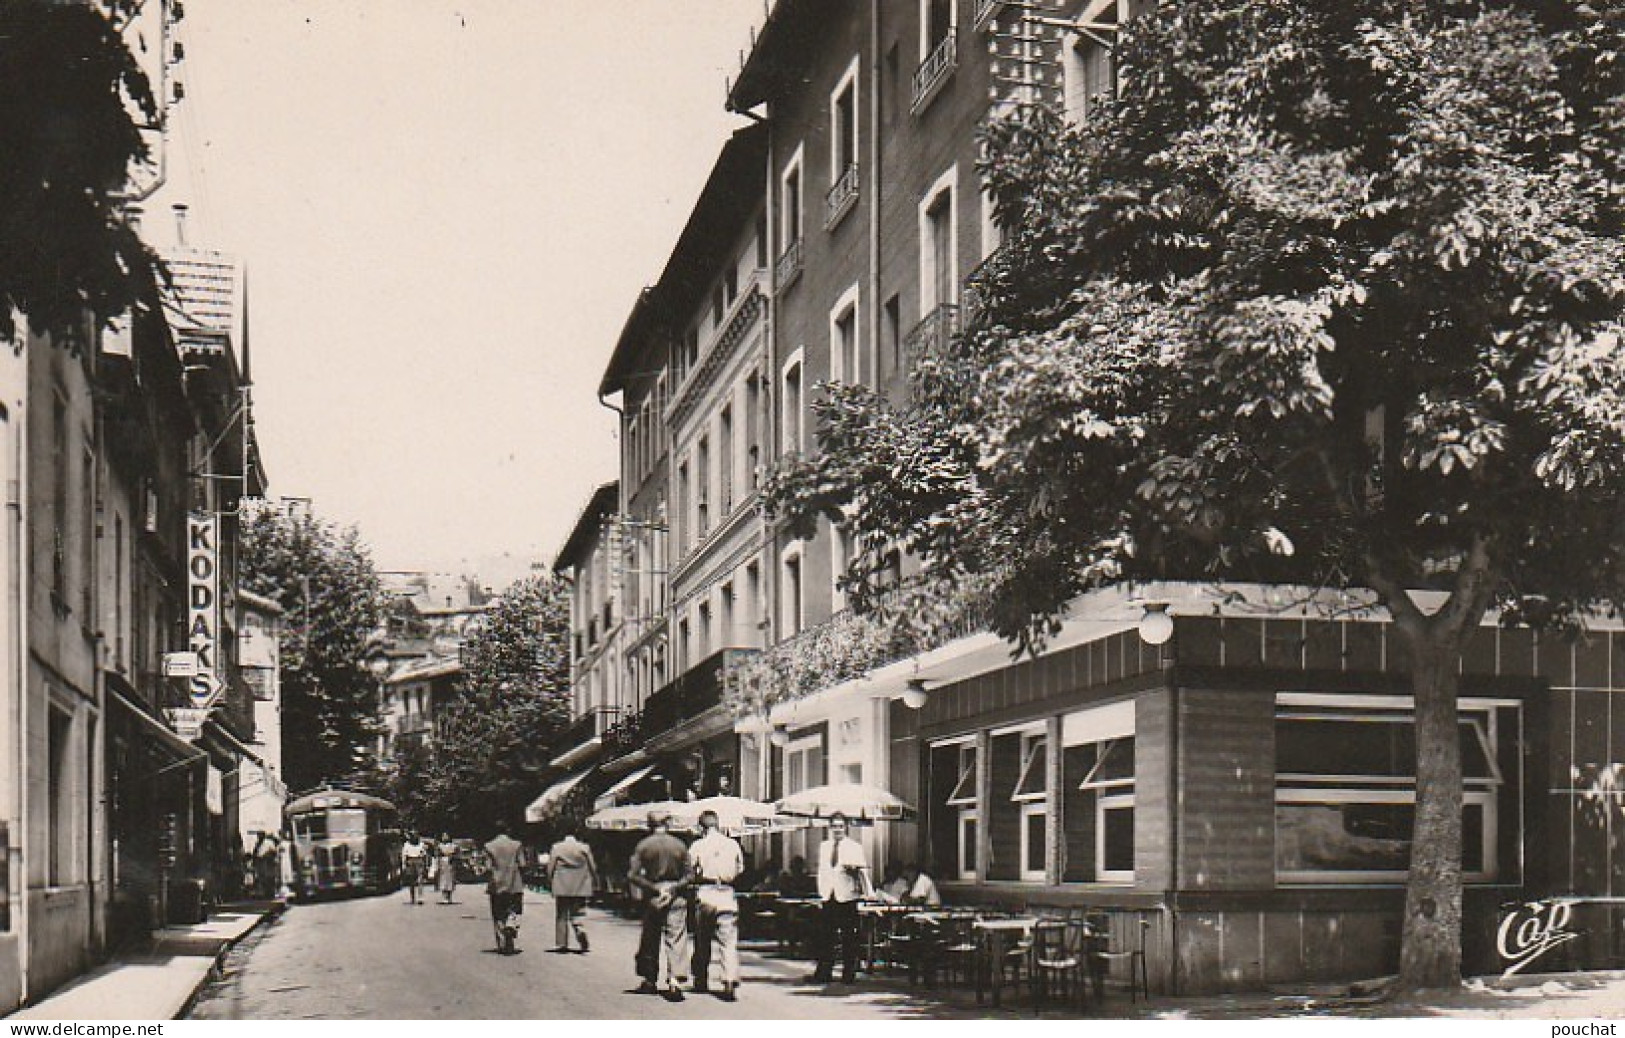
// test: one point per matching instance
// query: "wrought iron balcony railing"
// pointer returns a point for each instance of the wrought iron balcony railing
(589, 726)
(842, 196)
(933, 334)
(934, 71)
(788, 268)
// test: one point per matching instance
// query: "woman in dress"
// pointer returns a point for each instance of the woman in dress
(445, 868)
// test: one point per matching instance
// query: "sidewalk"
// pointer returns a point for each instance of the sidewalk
(160, 981)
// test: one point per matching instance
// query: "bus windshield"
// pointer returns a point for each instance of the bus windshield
(348, 821)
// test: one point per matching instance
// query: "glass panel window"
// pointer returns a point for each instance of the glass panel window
(964, 791)
(1345, 794)
(1034, 841)
(968, 822)
(1033, 783)
(1097, 794)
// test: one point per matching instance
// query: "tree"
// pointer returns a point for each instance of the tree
(70, 97)
(492, 750)
(332, 605)
(1330, 294)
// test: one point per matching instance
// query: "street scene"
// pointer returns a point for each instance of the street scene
(812, 509)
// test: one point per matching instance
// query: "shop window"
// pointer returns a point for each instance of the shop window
(1345, 794)
(803, 765)
(1097, 810)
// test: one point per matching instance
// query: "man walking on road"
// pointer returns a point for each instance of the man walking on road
(660, 870)
(506, 888)
(717, 861)
(572, 876)
(843, 878)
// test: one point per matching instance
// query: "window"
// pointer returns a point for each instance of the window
(939, 273)
(753, 428)
(1345, 793)
(1032, 794)
(803, 764)
(843, 149)
(59, 770)
(1034, 841)
(1097, 810)
(892, 355)
(1088, 69)
(702, 488)
(843, 338)
(840, 553)
(725, 459)
(705, 631)
(792, 609)
(1032, 783)
(685, 656)
(729, 638)
(937, 50)
(682, 508)
(963, 797)
(790, 221)
(793, 418)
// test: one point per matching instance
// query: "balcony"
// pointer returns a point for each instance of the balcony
(788, 268)
(584, 735)
(842, 196)
(986, 11)
(972, 300)
(934, 72)
(933, 334)
(693, 693)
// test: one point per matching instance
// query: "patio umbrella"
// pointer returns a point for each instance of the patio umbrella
(736, 816)
(857, 802)
(633, 817)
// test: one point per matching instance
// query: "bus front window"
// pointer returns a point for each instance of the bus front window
(310, 827)
(346, 822)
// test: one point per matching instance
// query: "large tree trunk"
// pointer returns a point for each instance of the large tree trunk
(1430, 955)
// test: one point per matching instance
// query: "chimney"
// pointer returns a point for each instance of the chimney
(180, 223)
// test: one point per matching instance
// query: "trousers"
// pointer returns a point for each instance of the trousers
(566, 912)
(721, 927)
(840, 923)
(663, 945)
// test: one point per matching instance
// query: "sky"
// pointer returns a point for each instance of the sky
(446, 209)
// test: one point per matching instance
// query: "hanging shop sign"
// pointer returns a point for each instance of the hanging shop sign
(203, 605)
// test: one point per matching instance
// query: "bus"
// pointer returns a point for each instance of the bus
(343, 842)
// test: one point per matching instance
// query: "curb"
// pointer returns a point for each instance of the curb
(215, 972)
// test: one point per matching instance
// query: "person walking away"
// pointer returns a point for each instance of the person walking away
(445, 868)
(718, 861)
(843, 879)
(572, 876)
(660, 870)
(506, 888)
(414, 855)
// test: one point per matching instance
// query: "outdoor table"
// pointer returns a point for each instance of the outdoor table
(995, 935)
(870, 913)
(794, 914)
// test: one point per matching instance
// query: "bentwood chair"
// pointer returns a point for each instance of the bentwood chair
(1058, 961)
(1109, 951)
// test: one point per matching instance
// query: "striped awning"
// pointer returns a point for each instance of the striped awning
(616, 793)
(552, 799)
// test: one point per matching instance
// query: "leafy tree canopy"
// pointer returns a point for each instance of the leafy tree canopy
(1330, 294)
(332, 604)
(71, 95)
(493, 747)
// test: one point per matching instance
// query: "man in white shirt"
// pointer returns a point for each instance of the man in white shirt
(921, 889)
(717, 862)
(843, 879)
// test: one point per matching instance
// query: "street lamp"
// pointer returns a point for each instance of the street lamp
(780, 736)
(914, 696)
(1156, 626)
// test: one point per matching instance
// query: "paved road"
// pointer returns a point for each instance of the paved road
(382, 958)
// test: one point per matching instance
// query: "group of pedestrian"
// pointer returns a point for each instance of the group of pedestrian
(674, 879)
(429, 862)
(669, 875)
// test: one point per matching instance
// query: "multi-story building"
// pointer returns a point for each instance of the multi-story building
(1227, 773)
(261, 791)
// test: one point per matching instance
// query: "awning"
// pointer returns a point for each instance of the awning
(550, 801)
(177, 748)
(615, 794)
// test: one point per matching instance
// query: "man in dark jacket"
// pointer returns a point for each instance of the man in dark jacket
(506, 888)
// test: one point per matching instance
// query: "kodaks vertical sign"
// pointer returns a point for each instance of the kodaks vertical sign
(203, 605)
